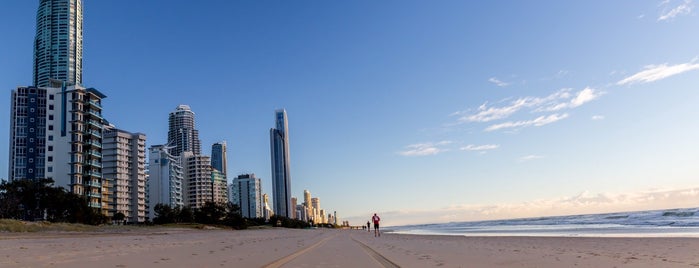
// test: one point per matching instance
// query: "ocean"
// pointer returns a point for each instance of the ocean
(653, 223)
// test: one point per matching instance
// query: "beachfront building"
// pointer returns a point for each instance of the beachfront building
(281, 176)
(58, 44)
(165, 176)
(198, 186)
(307, 205)
(301, 212)
(182, 134)
(56, 133)
(246, 192)
(124, 166)
(294, 203)
(315, 204)
(219, 187)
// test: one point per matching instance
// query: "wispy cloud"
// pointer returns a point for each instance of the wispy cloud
(423, 149)
(684, 8)
(484, 147)
(537, 122)
(562, 99)
(529, 157)
(498, 82)
(658, 72)
(582, 203)
(598, 117)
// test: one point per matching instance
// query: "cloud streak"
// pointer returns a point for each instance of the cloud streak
(657, 72)
(683, 9)
(424, 149)
(498, 82)
(485, 147)
(537, 122)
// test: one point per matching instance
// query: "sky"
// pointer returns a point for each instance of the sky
(420, 111)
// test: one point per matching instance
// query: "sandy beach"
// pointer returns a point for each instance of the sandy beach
(180, 247)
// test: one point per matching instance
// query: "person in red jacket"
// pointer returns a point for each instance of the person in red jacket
(376, 220)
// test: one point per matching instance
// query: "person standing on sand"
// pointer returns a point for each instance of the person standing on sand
(376, 220)
(368, 226)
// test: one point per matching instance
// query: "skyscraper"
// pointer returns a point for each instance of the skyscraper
(58, 44)
(181, 133)
(198, 183)
(281, 177)
(218, 157)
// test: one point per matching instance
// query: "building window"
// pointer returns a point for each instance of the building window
(31, 160)
(50, 96)
(50, 117)
(50, 137)
(51, 107)
(31, 170)
(49, 169)
(31, 120)
(50, 159)
(32, 100)
(50, 127)
(50, 148)
(31, 110)
(31, 150)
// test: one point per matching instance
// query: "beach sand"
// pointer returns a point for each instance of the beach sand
(278, 247)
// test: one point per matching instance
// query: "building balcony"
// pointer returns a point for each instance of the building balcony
(94, 174)
(95, 104)
(93, 163)
(94, 184)
(95, 205)
(95, 195)
(95, 123)
(94, 143)
(95, 133)
(95, 153)
(95, 113)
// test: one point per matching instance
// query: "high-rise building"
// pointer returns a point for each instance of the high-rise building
(198, 186)
(307, 204)
(124, 166)
(246, 192)
(294, 202)
(315, 207)
(58, 44)
(165, 176)
(266, 210)
(281, 176)
(218, 157)
(56, 133)
(219, 187)
(182, 133)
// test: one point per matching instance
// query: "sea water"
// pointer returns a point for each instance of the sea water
(655, 223)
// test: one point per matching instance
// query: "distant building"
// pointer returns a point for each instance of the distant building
(58, 44)
(294, 203)
(246, 192)
(266, 210)
(281, 176)
(220, 187)
(124, 165)
(315, 204)
(182, 133)
(198, 186)
(218, 157)
(165, 178)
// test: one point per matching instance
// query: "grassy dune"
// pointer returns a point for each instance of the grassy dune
(7, 225)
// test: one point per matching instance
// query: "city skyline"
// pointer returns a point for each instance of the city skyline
(421, 112)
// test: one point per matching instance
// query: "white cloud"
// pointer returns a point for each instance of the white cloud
(683, 9)
(559, 100)
(529, 157)
(423, 149)
(582, 203)
(598, 117)
(537, 122)
(498, 82)
(484, 147)
(658, 72)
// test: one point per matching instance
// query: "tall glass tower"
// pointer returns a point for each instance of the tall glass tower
(58, 45)
(218, 157)
(281, 177)
(181, 133)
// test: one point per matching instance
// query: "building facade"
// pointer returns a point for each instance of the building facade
(124, 165)
(218, 157)
(198, 186)
(281, 176)
(56, 133)
(182, 134)
(219, 187)
(246, 192)
(165, 178)
(58, 44)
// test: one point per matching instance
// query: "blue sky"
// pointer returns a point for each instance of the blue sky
(421, 111)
